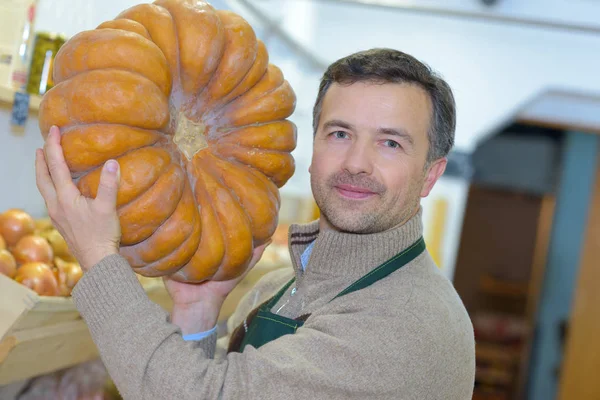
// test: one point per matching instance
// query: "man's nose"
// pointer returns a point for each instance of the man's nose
(358, 159)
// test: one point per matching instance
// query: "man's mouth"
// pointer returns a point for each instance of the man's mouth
(354, 192)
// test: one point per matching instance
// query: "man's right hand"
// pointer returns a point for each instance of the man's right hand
(196, 307)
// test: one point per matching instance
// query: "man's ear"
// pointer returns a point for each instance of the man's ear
(433, 173)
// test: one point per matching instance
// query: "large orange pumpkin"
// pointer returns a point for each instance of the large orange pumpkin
(184, 98)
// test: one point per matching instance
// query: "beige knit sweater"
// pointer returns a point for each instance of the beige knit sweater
(407, 336)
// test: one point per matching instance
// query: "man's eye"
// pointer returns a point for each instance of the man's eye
(339, 134)
(392, 144)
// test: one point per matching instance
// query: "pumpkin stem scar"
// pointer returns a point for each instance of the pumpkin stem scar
(189, 136)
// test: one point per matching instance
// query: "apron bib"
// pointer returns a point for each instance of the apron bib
(262, 326)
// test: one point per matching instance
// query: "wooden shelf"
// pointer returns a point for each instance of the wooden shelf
(7, 96)
(498, 287)
(498, 377)
(497, 354)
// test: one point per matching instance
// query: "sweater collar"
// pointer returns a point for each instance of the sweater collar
(350, 254)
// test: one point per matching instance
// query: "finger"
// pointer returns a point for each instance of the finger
(59, 171)
(106, 198)
(43, 180)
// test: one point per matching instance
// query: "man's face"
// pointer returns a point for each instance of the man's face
(369, 154)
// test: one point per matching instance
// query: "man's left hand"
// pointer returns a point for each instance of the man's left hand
(90, 226)
(196, 307)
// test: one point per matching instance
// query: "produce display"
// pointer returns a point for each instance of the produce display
(34, 254)
(183, 96)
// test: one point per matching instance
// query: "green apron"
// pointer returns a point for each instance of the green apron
(266, 326)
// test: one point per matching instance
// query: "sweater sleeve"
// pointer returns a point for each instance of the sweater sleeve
(337, 354)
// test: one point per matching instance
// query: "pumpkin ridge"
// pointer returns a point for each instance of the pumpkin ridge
(144, 189)
(178, 58)
(219, 113)
(261, 149)
(131, 205)
(217, 106)
(224, 131)
(79, 114)
(207, 103)
(208, 171)
(76, 125)
(118, 40)
(216, 173)
(220, 173)
(146, 11)
(70, 128)
(210, 266)
(272, 106)
(264, 151)
(117, 23)
(152, 265)
(177, 11)
(270, 185)
(116, 158)
(225, 136)
(137, 197)
(118, 69)
(142, 192)
(112, 69)
(178, 199)
(238, 163)
(194, 223)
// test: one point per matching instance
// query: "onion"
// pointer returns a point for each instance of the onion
(2, 243)
(38, 277)
(8, 265)
(42, 225)
(59, 246)
(32, 248)
(14, 224)
(67, 274)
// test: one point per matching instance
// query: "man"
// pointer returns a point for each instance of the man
(368, 315)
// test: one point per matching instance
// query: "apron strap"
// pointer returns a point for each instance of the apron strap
(278, 295)
(393, 264)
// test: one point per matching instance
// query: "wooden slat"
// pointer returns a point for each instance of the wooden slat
(496, 353)
(540, 257)
(43, 350)
(579, 379)
(497, 287)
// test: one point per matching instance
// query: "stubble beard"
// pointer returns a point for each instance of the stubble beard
(373, 216)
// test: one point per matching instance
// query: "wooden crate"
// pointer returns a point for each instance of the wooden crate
(40, 334)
